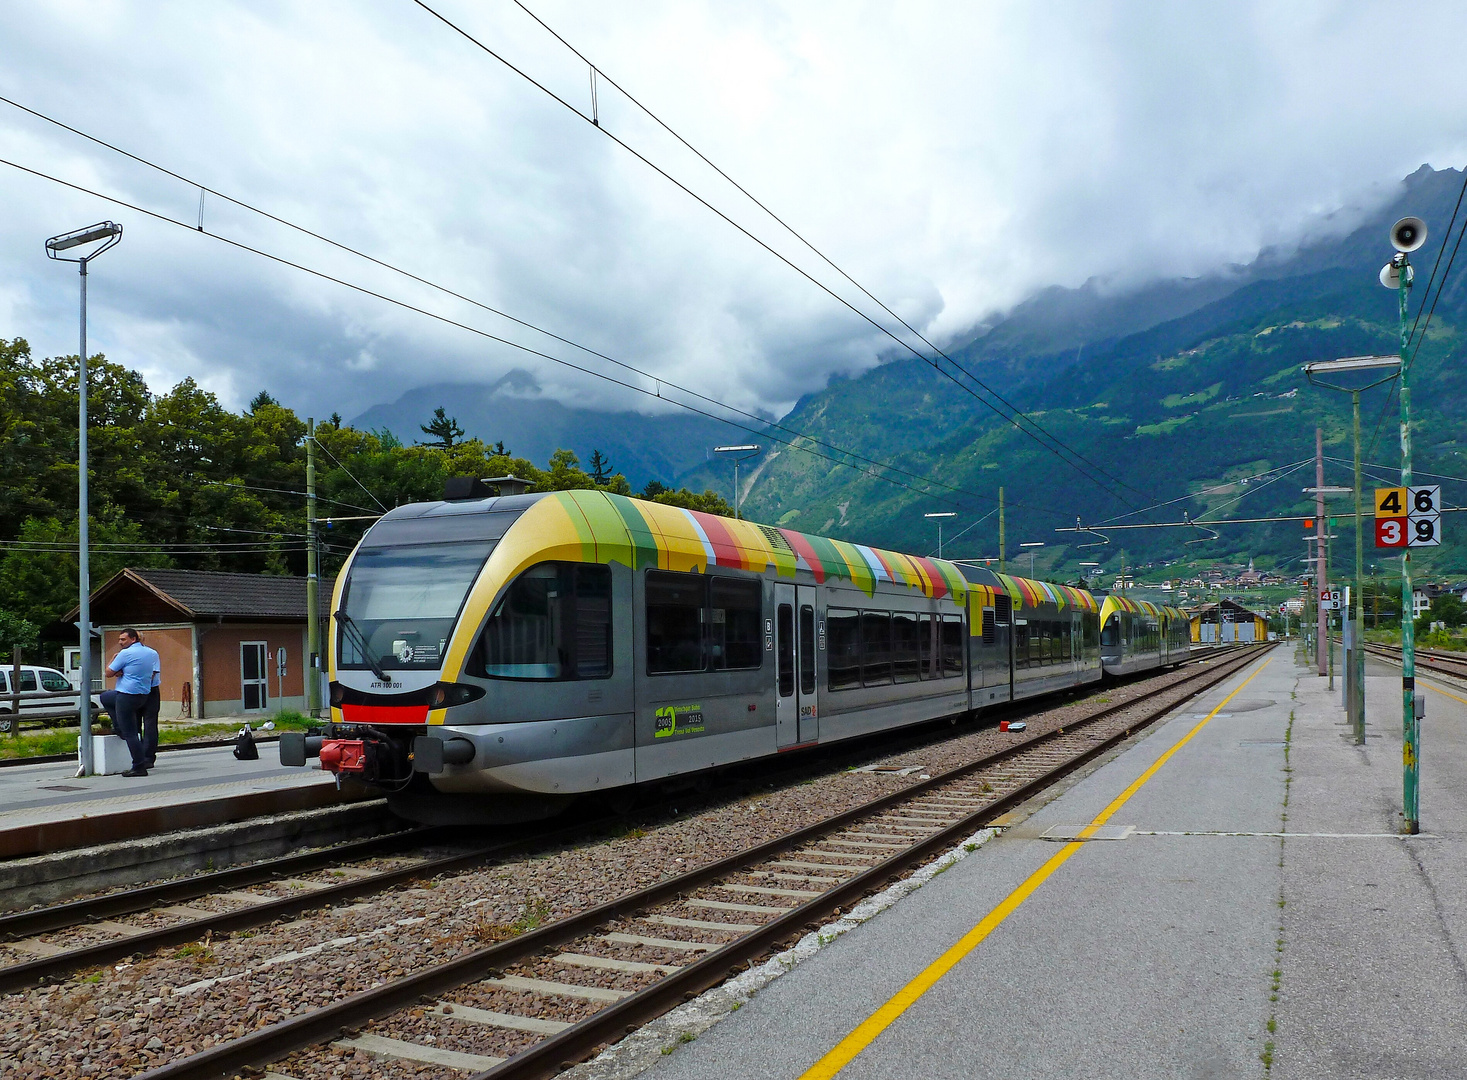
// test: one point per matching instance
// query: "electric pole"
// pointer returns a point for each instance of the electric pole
(1000, 531)
(313, 580)
(1411, 732)
(1321, 564)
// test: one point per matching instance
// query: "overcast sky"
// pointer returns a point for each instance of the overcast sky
(952, 157)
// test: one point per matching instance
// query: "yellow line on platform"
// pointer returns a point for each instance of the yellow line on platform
(1443, 693)
(846, 1050)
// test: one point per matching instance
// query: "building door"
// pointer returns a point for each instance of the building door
(254, 676)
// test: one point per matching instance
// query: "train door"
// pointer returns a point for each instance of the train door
(806, 649)
(797, 712)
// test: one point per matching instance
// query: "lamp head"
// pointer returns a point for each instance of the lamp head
(107, 231)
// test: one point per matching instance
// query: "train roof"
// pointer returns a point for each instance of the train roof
(1114, 602)
(598, 526)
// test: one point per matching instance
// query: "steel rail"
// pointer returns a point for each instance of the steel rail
(34, 972)
(1434, 660)
(44, 920)
(548, 1058)
(62, 916)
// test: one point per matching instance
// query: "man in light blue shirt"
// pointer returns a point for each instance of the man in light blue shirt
(134, 665)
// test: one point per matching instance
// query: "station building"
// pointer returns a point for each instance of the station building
(228, 644)
(1226, 622)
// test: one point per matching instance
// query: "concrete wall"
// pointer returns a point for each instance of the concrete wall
(174, 643)
(219, 665)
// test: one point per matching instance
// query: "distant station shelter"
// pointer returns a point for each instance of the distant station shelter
(1227, 622)
(228, 643)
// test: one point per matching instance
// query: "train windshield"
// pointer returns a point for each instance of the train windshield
(401, 603)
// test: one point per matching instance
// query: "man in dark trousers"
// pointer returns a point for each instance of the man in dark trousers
(133, 665)
(150, 716)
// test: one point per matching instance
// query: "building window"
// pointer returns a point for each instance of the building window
(552, 623)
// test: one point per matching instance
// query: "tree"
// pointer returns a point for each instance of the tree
(600, 467)
(335, 420)
(710, 502)
(653, 489)
(260, 400)
(1446, 609)
(16, 631)
(444, 429)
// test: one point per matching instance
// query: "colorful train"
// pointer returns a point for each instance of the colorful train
(503, 655)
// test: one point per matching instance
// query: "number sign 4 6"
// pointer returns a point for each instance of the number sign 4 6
(1408, 517)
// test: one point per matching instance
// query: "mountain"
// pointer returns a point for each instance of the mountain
(644, 448)
(1174, 388)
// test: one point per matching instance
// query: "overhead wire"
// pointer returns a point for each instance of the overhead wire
(1410, 361)
(794, 443)
(1056, 447)
(657, 380)
(370, 494)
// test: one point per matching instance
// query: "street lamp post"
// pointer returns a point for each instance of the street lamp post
(940, 515)
(749, 450)
(1316, 374)
(1031, 545)
(108, 233)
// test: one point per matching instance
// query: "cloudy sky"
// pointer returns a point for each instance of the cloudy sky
(951, 157)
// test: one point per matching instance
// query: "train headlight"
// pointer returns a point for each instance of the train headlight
(446, 695)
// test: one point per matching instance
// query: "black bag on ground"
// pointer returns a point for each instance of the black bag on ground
(244, 746)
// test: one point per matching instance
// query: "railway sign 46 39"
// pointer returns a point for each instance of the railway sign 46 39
(1408, 517)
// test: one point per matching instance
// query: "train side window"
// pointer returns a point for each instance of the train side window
(952, 646)
(807, 649)
(1021, 645)
(553, 623)
(675, 607)
(736, 610)
(843, 648)
(592, 622)
(786, 662)
(906, 645)
(990, 629)
(1036, 642)
(1091, 626)
(875, 648)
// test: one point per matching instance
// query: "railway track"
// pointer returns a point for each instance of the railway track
(85, 933)
(533, 1004)
(1437, 661)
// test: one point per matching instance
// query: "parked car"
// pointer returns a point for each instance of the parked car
(32, 679)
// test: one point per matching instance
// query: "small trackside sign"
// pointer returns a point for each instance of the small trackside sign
(674, 720)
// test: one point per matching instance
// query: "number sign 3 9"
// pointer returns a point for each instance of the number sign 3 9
(1408, 517)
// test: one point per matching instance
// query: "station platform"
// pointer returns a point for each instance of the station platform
(47, 807)
(1255, 913)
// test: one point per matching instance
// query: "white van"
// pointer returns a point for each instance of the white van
(32, 679)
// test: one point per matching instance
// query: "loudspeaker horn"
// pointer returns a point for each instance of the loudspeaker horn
(1390, 276)
(1408, 234)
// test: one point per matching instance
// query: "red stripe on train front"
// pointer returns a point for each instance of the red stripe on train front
(384, 714)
